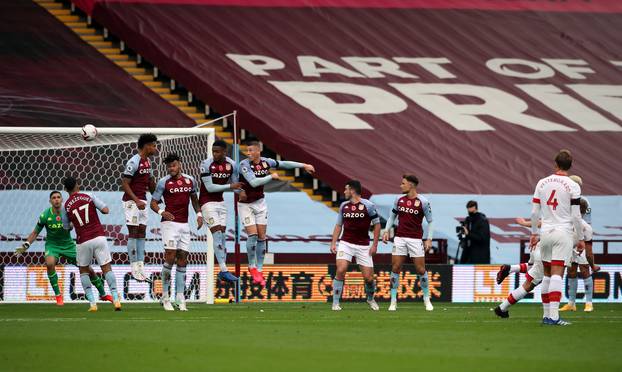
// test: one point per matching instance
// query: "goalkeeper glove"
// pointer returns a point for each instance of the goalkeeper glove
(22, 249)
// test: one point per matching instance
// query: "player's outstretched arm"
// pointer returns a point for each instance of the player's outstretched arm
(99, 204)
(284, 164)
(24, 247)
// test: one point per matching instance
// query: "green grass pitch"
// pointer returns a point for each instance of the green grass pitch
(305, 337)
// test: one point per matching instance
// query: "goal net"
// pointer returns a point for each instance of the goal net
(34, 162)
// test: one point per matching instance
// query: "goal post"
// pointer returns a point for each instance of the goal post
(35, 160)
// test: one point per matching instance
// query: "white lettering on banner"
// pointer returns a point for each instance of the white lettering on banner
(374, 67)
(316, 66)
(569, 107)
(312, 95)
(501, 67)
(496, 103)
(433, 97)
(255, 64)
(431, 65)
(607, 97)
(565, 66)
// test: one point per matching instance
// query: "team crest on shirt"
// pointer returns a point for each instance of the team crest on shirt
(187, 181)
(228, 167)
(417, 203)
(361, 207)
(265, 165)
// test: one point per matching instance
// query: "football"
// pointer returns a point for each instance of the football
(89, 132)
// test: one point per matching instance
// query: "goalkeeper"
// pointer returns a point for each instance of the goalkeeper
(58, 243)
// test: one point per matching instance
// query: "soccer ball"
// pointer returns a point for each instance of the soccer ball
(89, 132)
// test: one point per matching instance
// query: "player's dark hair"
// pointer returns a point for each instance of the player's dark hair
(355, 185)
(220, 143)
(171, 157)
(583, 205)
(563, 159)
(472, 203)
(70, 183)
(145, 139)
(55, 192)
(252, 141)
(411, 178)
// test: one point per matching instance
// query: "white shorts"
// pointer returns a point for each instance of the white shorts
(176, 235)
(345, 251)
(133, 215)
(536, 269)
(255, 213)
(580, 259)
(408, 247)
(556, 245)
(214, 213)
(96, 247)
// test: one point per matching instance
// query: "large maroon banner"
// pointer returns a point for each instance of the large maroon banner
(50, 77)
(471, 100)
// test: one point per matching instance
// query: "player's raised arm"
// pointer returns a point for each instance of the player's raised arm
(99, 204)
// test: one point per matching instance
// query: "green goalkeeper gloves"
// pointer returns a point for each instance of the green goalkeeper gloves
(19, 251)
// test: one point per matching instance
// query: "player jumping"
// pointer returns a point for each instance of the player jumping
(355, 216)
(81, 211)
(557, 198)
(255, 173)
(410, 209)
(137, 178)
(58, 243)
(218, 174)
(177, 190)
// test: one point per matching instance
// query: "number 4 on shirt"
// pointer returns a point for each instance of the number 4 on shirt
(552, 200)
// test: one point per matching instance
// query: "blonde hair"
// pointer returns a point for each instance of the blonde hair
(577, 179)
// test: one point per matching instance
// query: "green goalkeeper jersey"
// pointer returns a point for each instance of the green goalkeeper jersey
(57, 239)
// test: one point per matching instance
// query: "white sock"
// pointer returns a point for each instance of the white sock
(544, 290)
(555, 295)
(514, 296)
